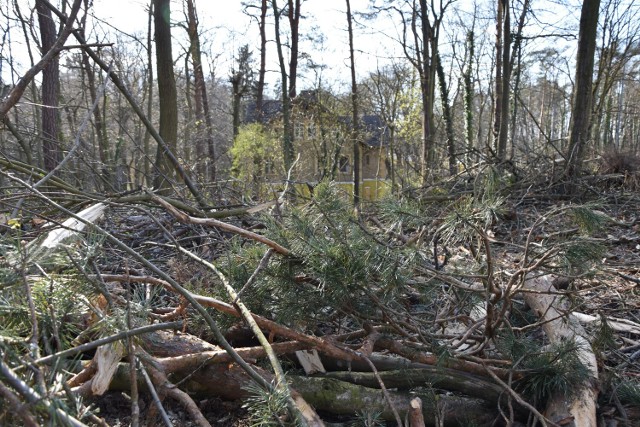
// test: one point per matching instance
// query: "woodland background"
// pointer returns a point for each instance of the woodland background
(146, 281)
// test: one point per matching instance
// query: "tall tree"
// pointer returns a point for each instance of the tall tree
(167, 93)
(385, 89)
(421, 24)
(467, 78)
(262, 70)
(293, 13)
(287, 137)
(503, 73)
(355, 137)
(516, 67)
(582, 91)
(146, 143)
(447, 115)
(241, 80)
(205, 146)
(98, 122)
(51, 150)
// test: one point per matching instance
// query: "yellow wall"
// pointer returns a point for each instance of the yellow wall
(370, 190)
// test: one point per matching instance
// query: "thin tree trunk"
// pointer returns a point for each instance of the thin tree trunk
(503, 73)
(99, 125)
(204, 126)
(426, 87)
(186, 136)
(354, 115)
(287, 137)
(516, 52)
(447, 115)
(146, 155)
(468, 97)
(263, 59)
(294, 24)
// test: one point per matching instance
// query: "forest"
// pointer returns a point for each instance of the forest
(381, 213)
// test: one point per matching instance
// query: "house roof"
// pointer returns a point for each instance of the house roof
(271, 110)
(376, 133)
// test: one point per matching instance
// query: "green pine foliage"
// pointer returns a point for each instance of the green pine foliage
(587, 219)
(368, 419)
(266, 408)
(553, 369)
(338, 265)
(628, 391)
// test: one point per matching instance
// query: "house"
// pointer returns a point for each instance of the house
(322, 138)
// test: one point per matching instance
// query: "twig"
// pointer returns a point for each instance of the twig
(261, 266)
(172, 391)
(543, 420)
(322, 345)
(56, 48)
(34, 397)
(248, 317)
(385, 392)
(133, 373)
(18, 408)
(173, 285)
(155, 397)
(102, 341)
(184, 218)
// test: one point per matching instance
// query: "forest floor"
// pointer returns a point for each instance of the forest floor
(449, 245)
(608, 290)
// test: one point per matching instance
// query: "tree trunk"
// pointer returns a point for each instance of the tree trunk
(447, 115)
(468, 97)
(426, 73)
(51, 150)
(205, 146)
(167, 94)
(147, 135)
(287, 137)
(561, 326)
(354, 115)
(294, 24)
(263, 59)
(582, 94)
(503, 74)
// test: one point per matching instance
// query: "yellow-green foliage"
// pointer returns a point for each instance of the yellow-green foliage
(256, 153)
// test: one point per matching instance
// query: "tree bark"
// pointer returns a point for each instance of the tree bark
(294, 24)
(167, 94)
(355, 137)
(447, 116)
(263, 59)
(287, 137)
(503, 74)
(582, 92)
(205, 146)
(467, 78)
(51, 150)
(561, 326)
(436, 376)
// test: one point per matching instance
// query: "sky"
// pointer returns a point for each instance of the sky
(225, 28)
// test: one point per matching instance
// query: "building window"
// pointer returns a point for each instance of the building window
(343, 164)
(368, 159)
(311, 130)
(298, 131)
(268, 168)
